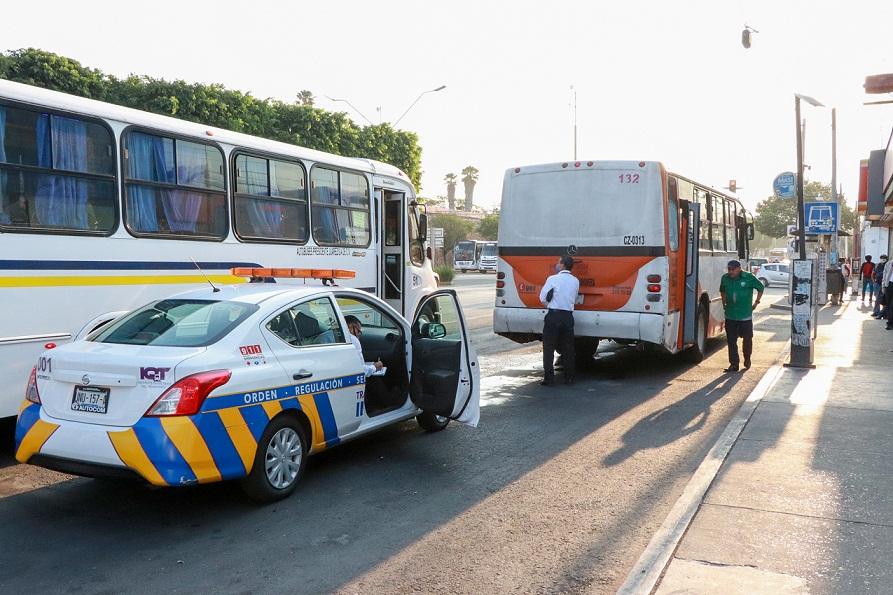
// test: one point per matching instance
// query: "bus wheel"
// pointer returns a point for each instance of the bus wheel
(584, 350)
(695, 353)
(431, 422)
(464, 270)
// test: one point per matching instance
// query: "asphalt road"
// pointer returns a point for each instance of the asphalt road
(558, 490)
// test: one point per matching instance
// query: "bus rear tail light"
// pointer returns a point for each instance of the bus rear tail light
(654, 288)
(500, 284)
(31, 393)
(186, 396)
(652, 297)
(654, 278)
(500, 293)
(500, 275)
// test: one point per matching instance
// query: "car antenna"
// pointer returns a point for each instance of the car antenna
(215, 289)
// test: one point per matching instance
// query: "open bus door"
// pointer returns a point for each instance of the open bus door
(694, 325)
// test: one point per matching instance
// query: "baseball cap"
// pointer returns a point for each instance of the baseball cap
(734, 264)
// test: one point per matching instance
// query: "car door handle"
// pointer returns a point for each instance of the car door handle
(301, 375)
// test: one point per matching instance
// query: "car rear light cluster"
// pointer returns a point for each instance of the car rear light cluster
(31, 393)
(653, 288)
(186, 396)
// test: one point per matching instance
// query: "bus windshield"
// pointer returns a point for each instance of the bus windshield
(464, 251)
(489, 250)
(592, 207)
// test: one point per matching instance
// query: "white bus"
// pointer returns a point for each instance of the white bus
(488, 257)
(649, 248)
(465, 255)
(104, 208)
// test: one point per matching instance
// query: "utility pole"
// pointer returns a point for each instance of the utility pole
(835, 255)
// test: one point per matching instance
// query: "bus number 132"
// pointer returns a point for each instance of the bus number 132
(629, 178)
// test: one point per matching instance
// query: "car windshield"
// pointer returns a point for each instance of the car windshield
(177, 323)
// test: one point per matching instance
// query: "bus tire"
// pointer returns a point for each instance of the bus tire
(696, 353)
(464, 270)
(280, 437)
(431, 422)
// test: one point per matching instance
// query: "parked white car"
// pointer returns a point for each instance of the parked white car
(774, 273)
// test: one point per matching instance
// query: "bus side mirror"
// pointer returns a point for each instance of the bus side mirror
(750, 231)
(423, 227)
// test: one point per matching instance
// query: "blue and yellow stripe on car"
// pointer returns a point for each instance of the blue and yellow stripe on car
(220, 442)
(31, 432)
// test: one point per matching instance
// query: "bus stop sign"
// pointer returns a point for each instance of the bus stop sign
(821, 217)
(785, 185)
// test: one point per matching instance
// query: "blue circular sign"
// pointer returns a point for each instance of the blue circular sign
(785, 185)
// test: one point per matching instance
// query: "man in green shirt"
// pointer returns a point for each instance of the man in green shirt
(736, 289)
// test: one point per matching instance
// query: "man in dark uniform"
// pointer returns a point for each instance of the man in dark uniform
(736, 288)
(559, 293)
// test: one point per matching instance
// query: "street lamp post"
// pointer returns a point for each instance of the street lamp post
(352, 107)
(803, 319)
(440, 88)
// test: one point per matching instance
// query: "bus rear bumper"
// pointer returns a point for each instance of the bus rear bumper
(518, 323)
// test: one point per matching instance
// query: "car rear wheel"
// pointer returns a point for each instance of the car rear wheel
(431, 422)
(764, 281)
(279, 461)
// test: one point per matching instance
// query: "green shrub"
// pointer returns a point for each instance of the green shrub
(446, 273)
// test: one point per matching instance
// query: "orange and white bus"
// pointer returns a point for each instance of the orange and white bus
(649, 248)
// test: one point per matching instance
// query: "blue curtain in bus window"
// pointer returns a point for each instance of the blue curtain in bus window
(181, 207)
(61, 201)
(325, 225)
(266, 217)
(146, 162)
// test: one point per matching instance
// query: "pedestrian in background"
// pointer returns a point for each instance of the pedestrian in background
(887, 289)
(736, 288)
(877, 278)
(866, 271)
(559, 293)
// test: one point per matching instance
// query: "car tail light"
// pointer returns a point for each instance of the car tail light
(49, 345)
(500, 275)
(654, 288)
(186, 396)
(654, 278)
(31, 393)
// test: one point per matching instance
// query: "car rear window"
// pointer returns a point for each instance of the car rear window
(177, 323)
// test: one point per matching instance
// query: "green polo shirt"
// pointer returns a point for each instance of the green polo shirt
(739, 295)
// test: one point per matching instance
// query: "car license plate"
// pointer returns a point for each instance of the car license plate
(90, 399)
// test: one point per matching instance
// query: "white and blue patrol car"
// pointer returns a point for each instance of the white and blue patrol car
(243, 382)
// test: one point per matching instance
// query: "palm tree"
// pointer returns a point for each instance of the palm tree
(305, 97)
(450, 180)
(469, 178)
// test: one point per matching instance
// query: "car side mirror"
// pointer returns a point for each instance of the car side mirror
(750, 231)
(434, 330)
(423, 227)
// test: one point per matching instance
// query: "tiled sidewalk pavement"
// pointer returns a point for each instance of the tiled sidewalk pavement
(804, 501)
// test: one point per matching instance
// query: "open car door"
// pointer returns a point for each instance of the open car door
(445, 373)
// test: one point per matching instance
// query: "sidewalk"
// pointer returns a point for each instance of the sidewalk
(803, 503)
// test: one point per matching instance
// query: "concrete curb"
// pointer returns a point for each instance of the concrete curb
(646, 573)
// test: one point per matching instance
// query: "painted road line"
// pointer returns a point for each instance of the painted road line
(648, 569)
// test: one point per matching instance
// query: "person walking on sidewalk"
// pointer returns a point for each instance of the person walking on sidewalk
(559, 294)
(878, 278)
(736, 288)
(866, 271)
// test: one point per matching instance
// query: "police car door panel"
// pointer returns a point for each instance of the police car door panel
(327, 378)
(445, 377)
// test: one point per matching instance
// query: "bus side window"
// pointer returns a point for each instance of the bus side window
(718, 224)
(673, 215)
(57, 173)
(706, 215)
(731, 230)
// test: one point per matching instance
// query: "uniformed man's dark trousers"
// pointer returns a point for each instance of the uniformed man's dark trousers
(558, 331)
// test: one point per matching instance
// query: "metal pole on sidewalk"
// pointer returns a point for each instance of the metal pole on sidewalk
(802, 272)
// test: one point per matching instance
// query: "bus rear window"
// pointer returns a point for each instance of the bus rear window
(177, 323)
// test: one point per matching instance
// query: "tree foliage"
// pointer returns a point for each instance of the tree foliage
(488, 227)
(774, 214)
(297, 123)
(455, 228)
(469, 179)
